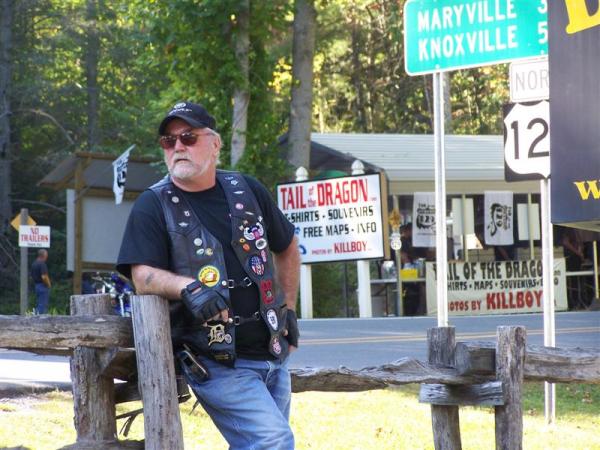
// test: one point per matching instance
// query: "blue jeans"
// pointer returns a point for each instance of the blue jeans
(249, 404)
(42, 294)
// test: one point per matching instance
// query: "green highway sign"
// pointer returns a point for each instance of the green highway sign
(442, 35)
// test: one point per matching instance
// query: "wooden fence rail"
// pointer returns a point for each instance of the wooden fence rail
(103, 347)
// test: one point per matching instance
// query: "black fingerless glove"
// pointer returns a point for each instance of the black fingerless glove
(291, 324)
(202, 303)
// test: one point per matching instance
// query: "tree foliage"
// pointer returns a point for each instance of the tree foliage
(152, 54)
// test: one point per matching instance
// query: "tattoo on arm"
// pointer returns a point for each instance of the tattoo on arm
(149, 278)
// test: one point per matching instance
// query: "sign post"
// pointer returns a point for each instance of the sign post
(29, 236)
(24, 267)
(339, 219)
(526, 157)
(306, 297)
(441, 35)
(548, 288)
(441, 241)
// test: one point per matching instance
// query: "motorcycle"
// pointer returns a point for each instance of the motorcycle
(119, 291)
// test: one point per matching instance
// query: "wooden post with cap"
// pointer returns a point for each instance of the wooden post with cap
(306, 300)
(365, 307)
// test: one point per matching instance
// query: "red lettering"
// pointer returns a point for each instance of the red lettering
(520, 301)
(300, 197)
(364, 190)
(538, 297)
(342, 192)
(490, 300)
(528, 299)
(292, 200)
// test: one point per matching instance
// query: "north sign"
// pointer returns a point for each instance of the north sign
(441, 35)
(529, 80)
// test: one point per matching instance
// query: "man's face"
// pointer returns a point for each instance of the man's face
(498, 216)
(187, 162)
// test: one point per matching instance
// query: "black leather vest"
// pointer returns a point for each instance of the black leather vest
(196, 253)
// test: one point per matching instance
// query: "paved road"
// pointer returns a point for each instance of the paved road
(358, 343)
(353, 343)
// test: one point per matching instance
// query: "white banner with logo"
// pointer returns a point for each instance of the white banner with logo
(423, 226)
(498, 287)
(120, 175)
(337, 219)
(498, 217)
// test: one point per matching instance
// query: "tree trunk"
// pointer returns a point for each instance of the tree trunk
(6, 6)
(91, 73)
(302, 79)
(241, 96)
(358, 48)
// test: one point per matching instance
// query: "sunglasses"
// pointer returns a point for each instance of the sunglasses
(188, 138)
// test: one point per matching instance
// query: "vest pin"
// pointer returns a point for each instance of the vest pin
(197, 242)
(175, 199)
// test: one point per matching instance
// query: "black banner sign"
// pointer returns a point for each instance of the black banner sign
(574, 54)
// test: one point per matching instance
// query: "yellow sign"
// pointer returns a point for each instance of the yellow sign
(16, 222)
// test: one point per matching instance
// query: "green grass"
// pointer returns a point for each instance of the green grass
(390, 419)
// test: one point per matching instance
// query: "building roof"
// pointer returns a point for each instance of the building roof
(98, 172)
(408, 157)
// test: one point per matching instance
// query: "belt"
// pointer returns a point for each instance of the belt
(238, 320)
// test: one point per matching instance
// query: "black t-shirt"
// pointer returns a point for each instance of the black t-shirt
(38, 268)
(146, 242)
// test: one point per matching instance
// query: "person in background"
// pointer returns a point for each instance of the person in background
(41, 279)
(407, 251)
(573, 245)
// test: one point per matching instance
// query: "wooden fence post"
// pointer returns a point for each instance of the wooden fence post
(156, 373)
(93, 393)
(445, 420)
(510, 365)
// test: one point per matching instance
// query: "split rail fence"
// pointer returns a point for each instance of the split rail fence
(104, 347)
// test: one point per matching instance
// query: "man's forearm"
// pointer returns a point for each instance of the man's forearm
(150, 280)
(287, 264)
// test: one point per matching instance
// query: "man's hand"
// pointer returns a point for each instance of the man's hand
(46, 280)
(205, 304)
(291, 332)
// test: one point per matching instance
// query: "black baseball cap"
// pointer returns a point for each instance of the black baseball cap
(192, 113)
